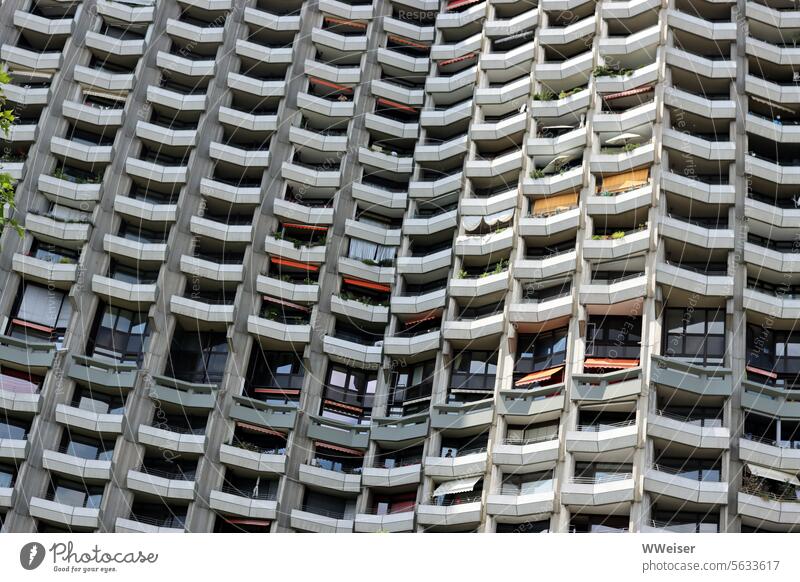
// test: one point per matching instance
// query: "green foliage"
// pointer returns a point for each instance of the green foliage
(7, 185)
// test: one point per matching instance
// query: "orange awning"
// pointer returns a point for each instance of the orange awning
(610, 363)
(459, 3)
(424, 317)
(395, 105)
(295, 264)
(457, 59)
(368, 285)
(356, 409)
(625, 180)
(350, 23)
(305, 226)
(261, 429)
(628, 93)
(247, 521)
(324, 83)
(402, 40)
(283, 391)
(538, 376)
(761, 372)
(286, 303)
(325, 445)
(558, 203)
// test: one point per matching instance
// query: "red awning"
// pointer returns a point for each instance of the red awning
(425, 317)
(286, 303)
(35, 326)
(305, 226)
(324, 83)
(284, 391)
(395, 105)
(350, 23)
(761, 372)
(295, 264)
(402, 40)
(246, 521)
(460, 3)
(343, 406)
(368, 285)
(610, 363)
(457, 59)
(325, 445)
(622, 94)
(538, 376)
(261, 429)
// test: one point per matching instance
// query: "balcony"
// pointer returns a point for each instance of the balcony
(230, 501)
(414, 345)
(313, 520)
(32, 356)
(171, 439)
(391, 477)
(708, 381)
(780, 515)
(89, 470)
(611, 441)
(141, 524)
(688, 431)
(612, 291)
(610, 490)
(632, 242)
(296, 293)
(169, 486)
(338, 433)
(202, 310)
(403, 430)
(389, 522)
(541, 402)
(673, 483)
(263, 414)
(124, 293)
(517, 456)
(464, 513)
(26, 403)
(232, 194)
(463, 417)
(286, 249)
(13, 449)
(184, 394)
(337, 481)
(769, 453)
(466, 463)
(61, 275)
(88, 420)
(82, 518)
(369, 356)
(532, 506)
(291, 332)
(709, 280)
(470, 330)
(102, 374)
(605, 387)
(251, 460)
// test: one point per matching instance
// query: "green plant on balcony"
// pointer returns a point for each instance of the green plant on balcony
(537, 173)
(544, 95)
(308, 281)
(565, 94)
(7, 185)
(246, 446)
(462, 274)
(606, 71)
(65, 261)
(616, 235)
(629, 147)
(370, 262)
(386, 262)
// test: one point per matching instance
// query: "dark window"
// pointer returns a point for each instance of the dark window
(411, 388)
(275, 376)
(474, 371)
(349, 394)
(541, 351)
(695, 335)
(119, 334)
(614, 337)
(197, 356)
(40, 314)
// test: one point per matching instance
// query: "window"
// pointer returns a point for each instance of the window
(695, 335)
(533, 433)
(686, 522)
(275, 376)
(7, 476)
(119, 334)
(367, 251)
(98, 402)
(527, 484)
(87, 448)
(76, 495)
(542, 351)
(349, 394)
(13, 429)
(40, 314)
(411, 388)
(773, 356)
(614, 337)
(474, 371)
(19, 382)
(525, 527)
(389, 504)
(197, 356)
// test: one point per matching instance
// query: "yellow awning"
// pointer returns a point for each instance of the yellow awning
(555, 203)
(625, 181)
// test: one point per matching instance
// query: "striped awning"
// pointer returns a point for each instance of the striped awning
(457, 59)
(458, 486)
(610, 363)
(295, 264)
(628, 93)
(538, 376)
(395, 105)
(337, 448)
(761, 372)
(368, 285)
(286, 303)
(773, 475)
(299, 226)
(261, 429)
(403, 40)
(330, 85)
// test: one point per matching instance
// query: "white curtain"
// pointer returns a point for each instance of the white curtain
(362, 249)
(384, 253)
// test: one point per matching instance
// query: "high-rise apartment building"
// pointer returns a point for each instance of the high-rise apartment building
(401, 265)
